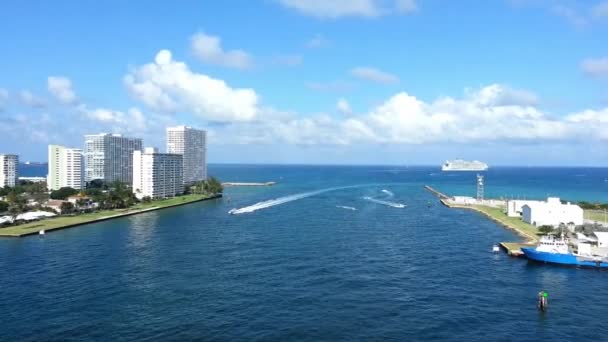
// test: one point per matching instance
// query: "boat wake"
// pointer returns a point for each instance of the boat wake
(390, 194)
(346, 207)
(286, 199)
(388, 203)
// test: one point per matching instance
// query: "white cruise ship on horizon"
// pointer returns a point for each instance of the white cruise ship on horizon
(463, 165)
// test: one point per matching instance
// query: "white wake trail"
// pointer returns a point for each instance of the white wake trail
(390, 194)
(282, 200)
(388, 203)
(346, 207)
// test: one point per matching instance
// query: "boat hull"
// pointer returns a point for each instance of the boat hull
(561, 259)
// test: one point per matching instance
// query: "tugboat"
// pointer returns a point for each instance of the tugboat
(555, 250)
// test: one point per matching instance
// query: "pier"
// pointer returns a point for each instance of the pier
(248, 184)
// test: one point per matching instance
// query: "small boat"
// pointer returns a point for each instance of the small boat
(495, 249)
(555, 250)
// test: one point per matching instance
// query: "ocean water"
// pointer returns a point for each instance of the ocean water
(326, 254)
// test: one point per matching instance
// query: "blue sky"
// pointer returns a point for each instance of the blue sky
(510, 82)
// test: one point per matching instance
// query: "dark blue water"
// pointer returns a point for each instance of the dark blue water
(305, 269)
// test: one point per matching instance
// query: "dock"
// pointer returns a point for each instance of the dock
(248, 183)
(514, 248)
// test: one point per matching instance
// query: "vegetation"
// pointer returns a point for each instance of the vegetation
(72, 220)
(63, 193)
(67, 208)
(545, 230)
(593, 206)
(3, 206)
(515, 223)
(210, 186)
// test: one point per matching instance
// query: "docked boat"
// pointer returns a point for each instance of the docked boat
(556, 250)
(463, 165)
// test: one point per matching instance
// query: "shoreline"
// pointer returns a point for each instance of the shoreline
(530, 239)
(34, 230)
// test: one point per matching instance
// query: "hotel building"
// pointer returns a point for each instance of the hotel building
(9, 165)
(66, 168)
(109, 157)
(157, 175)
(191, 143)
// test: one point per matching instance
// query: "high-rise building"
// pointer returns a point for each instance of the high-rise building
(157, 175)
(109, 157)
(192, 144)
(9, 165)
(66, 168)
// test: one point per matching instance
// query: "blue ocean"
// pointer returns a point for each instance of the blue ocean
(329, 253)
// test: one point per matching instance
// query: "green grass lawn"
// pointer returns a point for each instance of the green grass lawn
(513, 222)
(62, 221)
(596, 215)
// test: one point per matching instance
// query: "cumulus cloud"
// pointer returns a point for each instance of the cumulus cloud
(600, 10)
(3, 98)
(374, 75)
(317, 41)
(406, 6)
(170, 86)
(596, 67)
(209, 49)
(289, 60)
(571, 15)
(31, 100)
(61, 88)
(343, 107)
(350, 8)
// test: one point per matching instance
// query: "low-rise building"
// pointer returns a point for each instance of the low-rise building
(515, 207)
(55, 204)
(552, 213)
(157, 175)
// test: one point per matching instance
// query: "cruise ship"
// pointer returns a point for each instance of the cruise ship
(463, 165)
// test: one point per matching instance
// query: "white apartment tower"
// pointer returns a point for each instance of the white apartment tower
(109, 157)
(157, 175)
(66, 168)
(192, 144)
(9, 164)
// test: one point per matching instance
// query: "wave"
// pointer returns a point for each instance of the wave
(388, 203)
(346, 207)
(388, 192)
(286, 199)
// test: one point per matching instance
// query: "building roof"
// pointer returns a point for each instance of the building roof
(54, 203)
(601, 236)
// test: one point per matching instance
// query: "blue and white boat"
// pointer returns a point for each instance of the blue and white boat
(555, 250)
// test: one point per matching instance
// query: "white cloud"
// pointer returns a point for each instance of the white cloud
(600, 10)
(374, 75)
(289, 60)
(3, 98)
(597, 67)
(209, 49)
(31, 100)
(170, 86)
(406, 6)
(61, 88)
(350, 8)
(318, 41)
(571, 15)
(330, 87)
(500, 95)
(335, 8)
(343, 107)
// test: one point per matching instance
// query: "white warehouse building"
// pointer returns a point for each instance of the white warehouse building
(157, 175)
(515, 207)
(552, 213)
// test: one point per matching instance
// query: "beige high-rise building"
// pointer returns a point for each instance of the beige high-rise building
(157, 175)
(66, 168)
(192, 144)
(9, 170)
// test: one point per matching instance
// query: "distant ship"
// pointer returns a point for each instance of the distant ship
(555, 250)
(463, 165)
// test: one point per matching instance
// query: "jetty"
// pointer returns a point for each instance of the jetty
(494, 210)
(248, 183)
